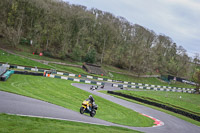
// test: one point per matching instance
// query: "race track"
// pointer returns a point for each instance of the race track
(21, 105)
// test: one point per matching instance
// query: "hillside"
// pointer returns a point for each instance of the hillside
(71, 32)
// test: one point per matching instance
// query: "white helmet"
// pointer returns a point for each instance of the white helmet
(90, 96)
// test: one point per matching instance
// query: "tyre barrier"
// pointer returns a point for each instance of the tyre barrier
(6, 75)
(28, 73)
(155, 89)
(175, 110)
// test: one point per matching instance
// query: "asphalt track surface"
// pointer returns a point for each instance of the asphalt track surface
(21, 105)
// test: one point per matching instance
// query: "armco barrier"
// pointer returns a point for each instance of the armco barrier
(101, 79)
(59, 73)
(125, 82)
(76, 80)
(158, 86)
(2, 70)
(154, 88)
(175, 110)
(49, 75)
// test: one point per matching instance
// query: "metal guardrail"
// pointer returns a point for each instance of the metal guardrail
(123, 83)
(186, 90)
(54, 72)
(2, 70)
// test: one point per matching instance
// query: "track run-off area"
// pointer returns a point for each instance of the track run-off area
(16, 104)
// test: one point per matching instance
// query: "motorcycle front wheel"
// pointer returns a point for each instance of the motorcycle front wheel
(82, 110)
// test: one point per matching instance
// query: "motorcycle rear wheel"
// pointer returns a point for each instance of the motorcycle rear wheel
(92, 113)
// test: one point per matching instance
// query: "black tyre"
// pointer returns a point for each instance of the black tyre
(82, 110)
(92, 113)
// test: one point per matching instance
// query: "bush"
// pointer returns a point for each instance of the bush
(47, 53)
(90, 56)
(76, 55)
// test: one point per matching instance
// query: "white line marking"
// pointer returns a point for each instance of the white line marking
(58, 119)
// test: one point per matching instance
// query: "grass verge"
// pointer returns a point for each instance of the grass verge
(152, 81)
(21, 124)
(160, 109)
(186, 101)
(62, 93)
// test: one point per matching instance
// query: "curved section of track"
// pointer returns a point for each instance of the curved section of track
(171, 124)
(21, 105)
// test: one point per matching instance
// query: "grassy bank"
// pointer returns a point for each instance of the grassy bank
(157, 108)
(186, 101)
(21, 124)
(160, 109)
(69, 69)
(61, 92)
(152, 81)
(13, 59)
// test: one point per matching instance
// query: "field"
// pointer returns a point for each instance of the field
(60, 92)
(21, 124)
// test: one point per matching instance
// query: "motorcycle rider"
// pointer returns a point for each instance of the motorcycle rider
(91, 101)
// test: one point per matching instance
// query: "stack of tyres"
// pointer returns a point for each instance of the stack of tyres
(28, 73)
(6, 75)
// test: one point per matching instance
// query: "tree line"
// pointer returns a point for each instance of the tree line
(61, 30)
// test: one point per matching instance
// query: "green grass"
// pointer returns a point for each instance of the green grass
(21, 124)
(36, 56)
(153, 81)
(69, 69)
(112, 68)
(157, 108)
(13, 59)
(61, 92)
(187, 101)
